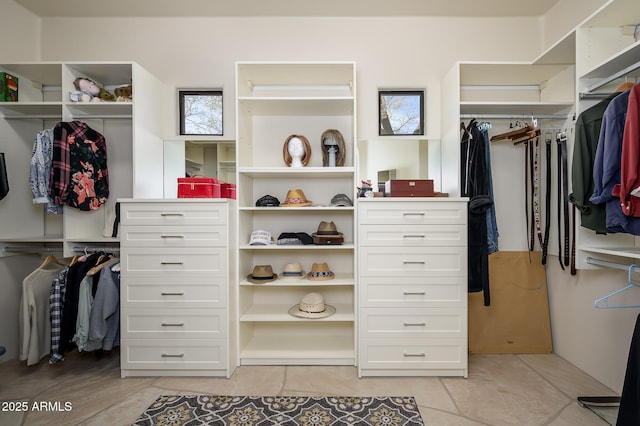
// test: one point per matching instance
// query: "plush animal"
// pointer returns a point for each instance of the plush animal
(106, 96)
(124, 93)
(86, 90)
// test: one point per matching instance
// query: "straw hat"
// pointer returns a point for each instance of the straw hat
(295, 198)
(262, 274)
(312, 306)
(320, 272)
(292, 272)
(327, 233)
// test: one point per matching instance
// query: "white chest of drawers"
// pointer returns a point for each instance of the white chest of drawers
(412, 264)
(175, 288)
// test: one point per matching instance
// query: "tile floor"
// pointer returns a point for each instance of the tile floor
(501, 390)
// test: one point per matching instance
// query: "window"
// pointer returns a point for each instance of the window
(200, 112)
(401, 112)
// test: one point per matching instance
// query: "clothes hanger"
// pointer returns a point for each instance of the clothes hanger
(51, 259)
(513, 134)
(603, 302)
(625, 86)
(527, 137)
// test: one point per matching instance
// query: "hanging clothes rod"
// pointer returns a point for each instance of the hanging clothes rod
(33, 117)
(609, 264)
(613, 77)
(100, 116)
(517, 116)
(594, 95)
(31, 249)
(92, 249)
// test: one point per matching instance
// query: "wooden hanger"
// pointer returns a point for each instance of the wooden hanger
(528, 136)
(625, 86)
(49, 260)
(513, 134)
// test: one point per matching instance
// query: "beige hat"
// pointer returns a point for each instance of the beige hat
(295, 198)
(320, 272)
(312, 306)
(292, 272)
(262, 274)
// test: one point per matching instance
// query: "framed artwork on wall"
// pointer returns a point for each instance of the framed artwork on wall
(400, 112)
(200, 112)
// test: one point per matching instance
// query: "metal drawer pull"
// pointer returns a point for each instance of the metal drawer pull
(177, 324)
(413, 214)
(414, 293)
(415, 324)
(164, 293)
(414, 236)
(421, 355)
(171, 214)
(171, 236)
(413, 262)
(174, 262)
(172, 355)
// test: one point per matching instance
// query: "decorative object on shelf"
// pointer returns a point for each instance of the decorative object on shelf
(341, 200)
(296, 198)
(401, 112)
(333, 148)
(292, 272)
(262, 274)
(261, 237)
(267, 201)
(200, 112)
(198, 186)
(124, 93)
(294, 239)
(312, 306)
(228, 190)
(8, 87)
(365, 190)
(296, 151)
(4, 180)
(88, 90)
(327, 233)
(320, 272)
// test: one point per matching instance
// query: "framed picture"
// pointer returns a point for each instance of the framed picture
(200, 112)
(401, 112)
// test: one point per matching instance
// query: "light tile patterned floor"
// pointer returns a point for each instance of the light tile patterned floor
(501, 390)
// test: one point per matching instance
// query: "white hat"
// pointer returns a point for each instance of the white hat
(292, 272)
(261, 237)
(312, 306)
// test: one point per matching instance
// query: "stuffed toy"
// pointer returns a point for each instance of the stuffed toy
(86, 91)
(106, 96)
(124, 93)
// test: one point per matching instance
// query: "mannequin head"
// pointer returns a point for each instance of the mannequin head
(296, 151)
(332, 141)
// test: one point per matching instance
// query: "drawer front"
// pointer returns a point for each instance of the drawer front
(173, 293)
(182, 213)
(173, 236)
(413, 353)
(413, 262)
(426, 213)
(412, 292)
(177, 262)
(168, 354)
(412, 323)
(412, 235)
(174, 323)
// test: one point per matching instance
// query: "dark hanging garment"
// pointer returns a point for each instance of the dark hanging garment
(4, 181)
(475, 185)
(629, 410)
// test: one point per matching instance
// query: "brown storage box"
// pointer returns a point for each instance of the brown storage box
(411, 188)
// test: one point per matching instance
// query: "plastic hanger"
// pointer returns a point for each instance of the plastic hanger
(603, 302)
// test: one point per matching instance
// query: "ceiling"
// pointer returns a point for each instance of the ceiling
(299, 8)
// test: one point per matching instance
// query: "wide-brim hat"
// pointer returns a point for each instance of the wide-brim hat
(327, 233)
(262, 274)
(292, 272)
(320, 272)
(327, 228)
(312, 306)
(295, 198)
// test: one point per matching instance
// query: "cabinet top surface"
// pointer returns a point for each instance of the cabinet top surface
(173, 200)
(411, 199)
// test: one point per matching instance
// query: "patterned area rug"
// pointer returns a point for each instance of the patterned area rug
(281, 410)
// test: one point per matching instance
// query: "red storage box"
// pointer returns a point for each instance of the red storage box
(412, 188)
(198, 187)
(228, 190)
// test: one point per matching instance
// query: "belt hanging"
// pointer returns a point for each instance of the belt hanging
(547, 223)
(563, 201)
(536, 192)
